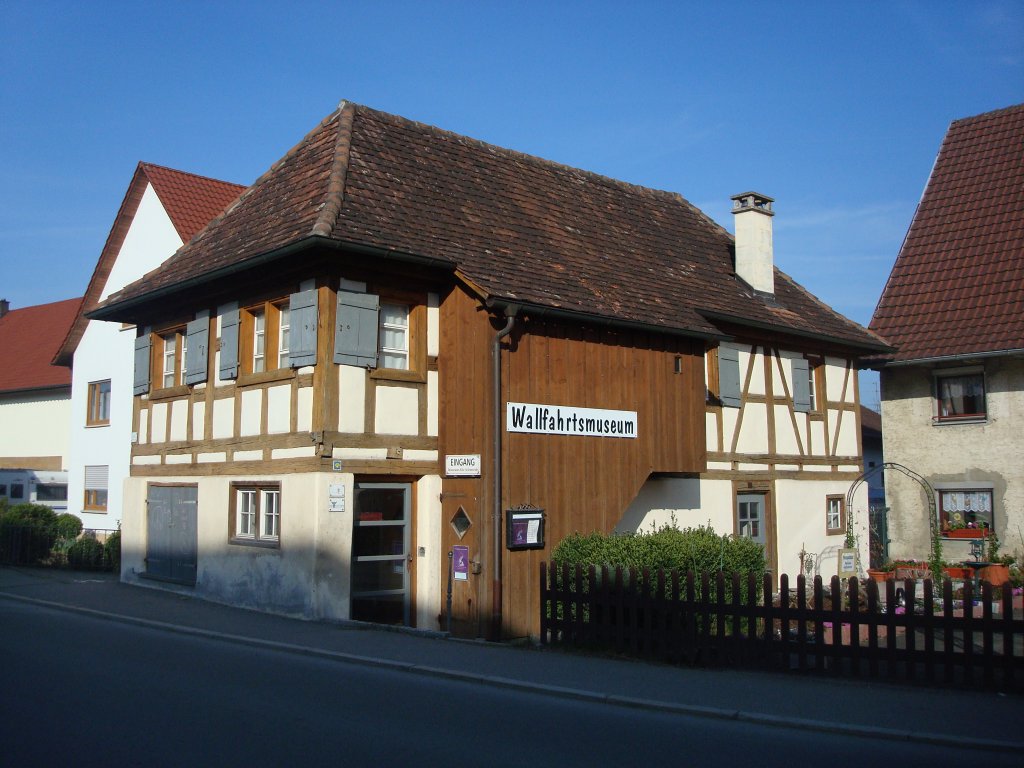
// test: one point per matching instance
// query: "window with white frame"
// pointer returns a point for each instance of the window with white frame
(256, 515)
(969, 508)
(960, 396)
(170, 369)
(394, 336)
(259, 341)
(835, 514)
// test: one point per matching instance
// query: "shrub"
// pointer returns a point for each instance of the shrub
(112, 551)
(699, 550)
(27, 533)
(86, 554)
(68, 526)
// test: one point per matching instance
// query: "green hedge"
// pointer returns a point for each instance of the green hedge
(27, 532)
(691, 549)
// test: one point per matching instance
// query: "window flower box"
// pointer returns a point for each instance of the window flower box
(965, 533)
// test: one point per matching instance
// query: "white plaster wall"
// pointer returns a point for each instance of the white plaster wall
(433, 324)
(198, 420)
(988, 454)
(835, 379)
(397, 411)
(351, 399)
(786, 442)
(252, 411)
(92, 445)
(304, 406)
(683, 502)
(150, 240)
(158, 417)
(756, 375)
(223, 417)
(800, 523)
(179, 420)
(36, 425)
(711, 431)
(754, 429)
(279, 409)
(276, 580)
(433, 399)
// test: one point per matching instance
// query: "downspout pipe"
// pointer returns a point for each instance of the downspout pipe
(510, 320)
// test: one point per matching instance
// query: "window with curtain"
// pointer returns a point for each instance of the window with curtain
(965, 509)
(960, 397)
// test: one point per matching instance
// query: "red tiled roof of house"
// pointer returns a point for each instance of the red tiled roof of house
(190, 201)
(957, 287)
(517, 228)
(29, 338)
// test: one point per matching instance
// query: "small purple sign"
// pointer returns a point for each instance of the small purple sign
(460, 562)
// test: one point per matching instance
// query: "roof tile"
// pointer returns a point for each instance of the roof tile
(520, 228)
(957, 287)
(29, 339)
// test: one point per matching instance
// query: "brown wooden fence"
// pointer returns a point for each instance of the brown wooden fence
(959, 637)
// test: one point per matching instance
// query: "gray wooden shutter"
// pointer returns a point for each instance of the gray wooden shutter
(228, 368)
(142, 346)
(197, 340)
(302, 335)
(355, 331)
(801, 388)
(729, 376)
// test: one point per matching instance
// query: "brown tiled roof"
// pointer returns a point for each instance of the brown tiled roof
(29, 338)
(957, 287)
(518, 228)
(190, 201)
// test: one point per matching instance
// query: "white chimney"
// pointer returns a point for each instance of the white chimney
(754, 254)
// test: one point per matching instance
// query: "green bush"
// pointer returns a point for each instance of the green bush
(692, 549)
(112, 551)
(27, 533)
(68, 526)
(86, 554)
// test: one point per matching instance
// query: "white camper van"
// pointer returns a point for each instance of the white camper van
(36, 486)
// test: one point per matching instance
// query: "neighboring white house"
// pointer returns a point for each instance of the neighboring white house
(162, 210)
(953, 393)
(35, 403)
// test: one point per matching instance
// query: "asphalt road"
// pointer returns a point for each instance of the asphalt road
(81, 691)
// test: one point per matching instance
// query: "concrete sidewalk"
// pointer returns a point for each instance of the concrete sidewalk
(973, 719)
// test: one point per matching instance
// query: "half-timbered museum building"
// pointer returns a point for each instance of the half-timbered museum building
(405, 358)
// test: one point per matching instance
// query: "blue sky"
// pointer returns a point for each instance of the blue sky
(834, 109)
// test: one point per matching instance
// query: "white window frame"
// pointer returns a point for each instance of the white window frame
(399, 355)
(259, 340)
(257, 514)
(283, 334)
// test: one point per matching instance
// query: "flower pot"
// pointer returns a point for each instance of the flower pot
(966, 533)
(959, 573)
(877, 575)
(996, 575)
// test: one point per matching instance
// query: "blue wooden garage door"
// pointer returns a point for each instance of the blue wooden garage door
(171, 540)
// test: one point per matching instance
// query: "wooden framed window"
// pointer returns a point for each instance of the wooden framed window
(394, 336)
(98, 406)
(255, 514)
(835, 515)
(965, 509)
(960, 396)
(169, 350)
(96, 480)
(265, 336)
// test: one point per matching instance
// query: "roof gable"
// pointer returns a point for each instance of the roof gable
(190, 201)
(29, 338)
(521, 229)
(957, 286)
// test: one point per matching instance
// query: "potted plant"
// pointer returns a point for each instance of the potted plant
(957, 528)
